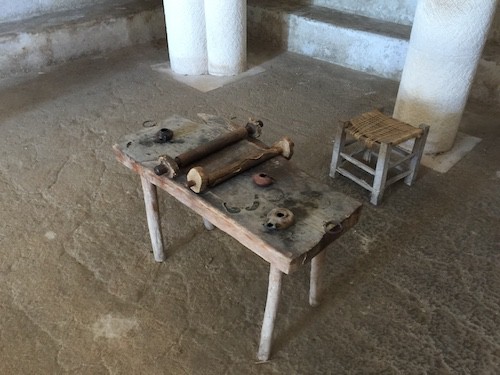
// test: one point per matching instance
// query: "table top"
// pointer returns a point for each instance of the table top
(238, 206)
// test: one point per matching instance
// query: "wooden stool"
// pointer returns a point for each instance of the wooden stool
(380, 135)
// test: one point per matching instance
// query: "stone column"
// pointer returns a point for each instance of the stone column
(186, 36)
(226, 36)
(445, 47)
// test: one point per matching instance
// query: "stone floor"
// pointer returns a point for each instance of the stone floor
(415, 289)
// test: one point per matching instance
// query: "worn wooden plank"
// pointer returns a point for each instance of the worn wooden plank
(153, 218)
(359, 181)
(358, 163)
(315, 286)
(272, 303)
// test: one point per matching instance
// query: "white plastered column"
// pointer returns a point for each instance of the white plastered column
(226, 22)
(445, 47)
(186, 35)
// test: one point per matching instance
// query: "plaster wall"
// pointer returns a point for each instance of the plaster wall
(12, 10)
(398, 11)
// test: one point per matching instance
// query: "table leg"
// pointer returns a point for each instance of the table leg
(153, 216)
(208, 225)
(315, 287)
(273, 295)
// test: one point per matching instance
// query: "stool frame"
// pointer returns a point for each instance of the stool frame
(385, 150)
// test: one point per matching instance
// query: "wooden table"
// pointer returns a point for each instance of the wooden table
(239, 207)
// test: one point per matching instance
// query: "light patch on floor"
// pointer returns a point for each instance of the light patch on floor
(206, 83)
(364, 239)
(50, 235)
(442, 163)
(113, 328)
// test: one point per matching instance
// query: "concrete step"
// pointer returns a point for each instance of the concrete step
(32, 44)
(397, 11)
(353, 41)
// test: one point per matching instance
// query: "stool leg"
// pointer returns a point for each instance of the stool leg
(315, 287)
(153, 216)
(367, 155)
(417, 151)
(381, 173)
(337, 149)
(273, 295)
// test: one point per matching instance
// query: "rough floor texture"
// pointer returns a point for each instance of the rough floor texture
(415, 289)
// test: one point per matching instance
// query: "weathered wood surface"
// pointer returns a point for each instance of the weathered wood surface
(238, 206)
(315, 286)
(272, 303)
(153, 218)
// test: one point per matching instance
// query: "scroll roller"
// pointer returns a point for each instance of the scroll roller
(198, 180)
(171, 166)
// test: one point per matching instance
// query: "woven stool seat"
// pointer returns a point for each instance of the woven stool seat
(375, 127)
(378, 135)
